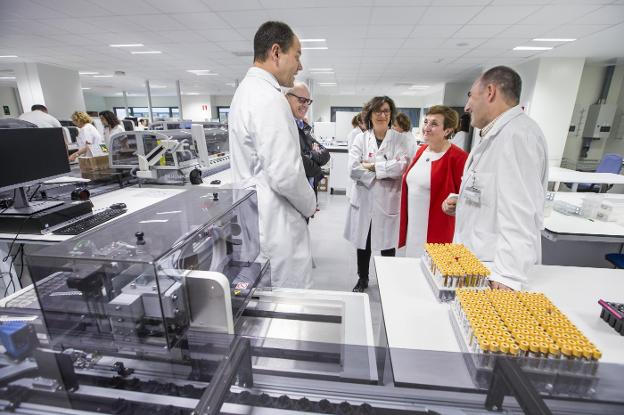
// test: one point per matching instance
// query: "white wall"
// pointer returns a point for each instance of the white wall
(323, 103)
(61, 90)
(220, 101)
(196, 107)
(455, 93)
(95, 102)
(8, 97)
(528, 73)
(433, 98)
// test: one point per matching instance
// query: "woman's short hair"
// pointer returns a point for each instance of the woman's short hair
(374, 105)
(81, 117)
(403, 121)
(111, 118)
(451, 118)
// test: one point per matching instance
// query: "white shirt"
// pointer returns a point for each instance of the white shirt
(509, 167)
(41, 119)
(88, 135)
(108, 132)
(418, 199)
(265, 153)
(459, 139)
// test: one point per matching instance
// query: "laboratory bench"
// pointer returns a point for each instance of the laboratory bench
(560, 175)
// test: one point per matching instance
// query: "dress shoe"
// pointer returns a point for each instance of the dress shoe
(361, 286)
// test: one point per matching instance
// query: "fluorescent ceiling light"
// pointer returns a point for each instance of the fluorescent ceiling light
(85, 88)
(8, 56)
(7, 77)
(88, 73)
(316, 48)
(553, 40)
(158, 86)
(327, 83)
(532, 48)
(419, 87)
(127, 45)
(191, 93)
(202, 72)
(311, 40)
(146, 52)
(102, 76)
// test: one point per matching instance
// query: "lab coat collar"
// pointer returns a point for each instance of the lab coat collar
(373, 141)
(507, 116)
(263, 74)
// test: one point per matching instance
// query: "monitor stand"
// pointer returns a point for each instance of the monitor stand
(22, 206)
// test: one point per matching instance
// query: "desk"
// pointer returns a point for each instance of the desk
(414, 320)
(338, 168)
(559, 174)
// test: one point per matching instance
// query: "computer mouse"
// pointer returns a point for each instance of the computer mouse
(215, 182)
(119, 205)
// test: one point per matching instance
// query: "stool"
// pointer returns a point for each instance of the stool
(616, 259)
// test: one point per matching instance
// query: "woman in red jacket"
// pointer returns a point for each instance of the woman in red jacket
(435, 171)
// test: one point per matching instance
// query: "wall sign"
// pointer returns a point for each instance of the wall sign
(7, 110)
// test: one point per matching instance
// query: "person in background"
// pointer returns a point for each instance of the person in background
(358, 128)
(500, 208)
(265, 153)
(377, 159)
(403, 125)
(143, 124)
(313, 154)
(39, 116)
(88, 133)
(460, 139)
(112, 125)
(434, 172)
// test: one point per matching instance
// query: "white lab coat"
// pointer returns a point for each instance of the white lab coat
(376, 196)
(412, 144)
(350, 137)
(265, 150)
(88, 134)
(40, 119)
(108, 132)
(510, 168)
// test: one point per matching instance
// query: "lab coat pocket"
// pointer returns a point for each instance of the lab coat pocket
(356, 193)
(485, 182)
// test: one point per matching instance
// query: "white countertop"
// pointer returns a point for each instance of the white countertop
(559, 174)
(415, 320)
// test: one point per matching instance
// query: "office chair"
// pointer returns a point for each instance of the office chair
(616, 259)
(610, 163)
(15, 123)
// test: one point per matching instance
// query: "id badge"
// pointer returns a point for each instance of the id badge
(473, 196)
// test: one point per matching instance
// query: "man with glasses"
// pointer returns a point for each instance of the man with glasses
(265, 154)
(313, 154)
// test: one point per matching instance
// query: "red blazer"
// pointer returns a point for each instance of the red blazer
(446, 174)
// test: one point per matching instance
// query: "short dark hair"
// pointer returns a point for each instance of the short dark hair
(506, 80)
(269, 34)
(403, 121)
(39, 107)
(110, 117)
(373, 105)
(464, 122)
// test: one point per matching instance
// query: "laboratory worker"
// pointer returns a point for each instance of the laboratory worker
(39, 116)
(358, 127)
(111, 124)
(377, 160)
(499, 212)
(87, 135)
(265, 151)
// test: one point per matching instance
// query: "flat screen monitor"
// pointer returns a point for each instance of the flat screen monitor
(30, 156)
(67, 123)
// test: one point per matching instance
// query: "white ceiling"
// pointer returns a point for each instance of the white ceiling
(372, 44)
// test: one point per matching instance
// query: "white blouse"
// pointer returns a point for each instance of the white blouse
(418, 196)
(88, 135)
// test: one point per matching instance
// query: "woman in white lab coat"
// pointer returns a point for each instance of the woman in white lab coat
(87, 135)
(403, 125)
(377, 160)
(112, 125)
(358, 128)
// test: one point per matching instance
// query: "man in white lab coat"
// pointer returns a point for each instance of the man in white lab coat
(264, 144)
(39, 116)
(501, 199)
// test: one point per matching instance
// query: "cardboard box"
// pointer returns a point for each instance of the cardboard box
(89, 164)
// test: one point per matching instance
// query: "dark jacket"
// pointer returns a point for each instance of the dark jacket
(312, 160)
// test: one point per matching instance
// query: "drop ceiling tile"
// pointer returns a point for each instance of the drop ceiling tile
(245, 18)
(389, 31)
(608, 15)
(522, 31)
(220, 5)
(449, 15)
(461, 43)
(575, 31)
(125, 7)
(503, 14)
(395, 15)
(434, 31)
(225, 34)
(480, 31)
(27, 9)
(117, 24)
(73, 9)
(156, 22)
(186, 6)
(556, 15)
(200, 21)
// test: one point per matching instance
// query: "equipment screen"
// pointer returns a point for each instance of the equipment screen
(31, 154)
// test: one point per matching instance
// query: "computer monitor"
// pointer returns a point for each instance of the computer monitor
(128, 125)
(67, 123)
(33, 155)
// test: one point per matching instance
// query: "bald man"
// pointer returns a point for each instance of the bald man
(313, 154)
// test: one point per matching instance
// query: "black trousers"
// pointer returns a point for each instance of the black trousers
(363, 257)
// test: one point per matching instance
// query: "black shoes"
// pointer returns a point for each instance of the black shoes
(361, 285)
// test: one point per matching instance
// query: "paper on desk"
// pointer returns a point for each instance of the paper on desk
(67, 179)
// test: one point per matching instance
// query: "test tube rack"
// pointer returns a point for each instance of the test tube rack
(442, 292)
(613, 314)
(549, 376)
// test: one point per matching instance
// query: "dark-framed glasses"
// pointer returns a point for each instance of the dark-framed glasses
(302, 100)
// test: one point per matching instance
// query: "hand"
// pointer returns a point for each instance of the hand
(498, 286)
(73, 157)
(369, 166)
(449, 206)
(315, 147)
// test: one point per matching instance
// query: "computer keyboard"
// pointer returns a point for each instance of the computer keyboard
(89, 222)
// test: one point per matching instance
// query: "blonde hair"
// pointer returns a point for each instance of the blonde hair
(80, 117)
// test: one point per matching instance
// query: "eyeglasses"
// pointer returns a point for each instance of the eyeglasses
(384, 112)
(302, 100)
